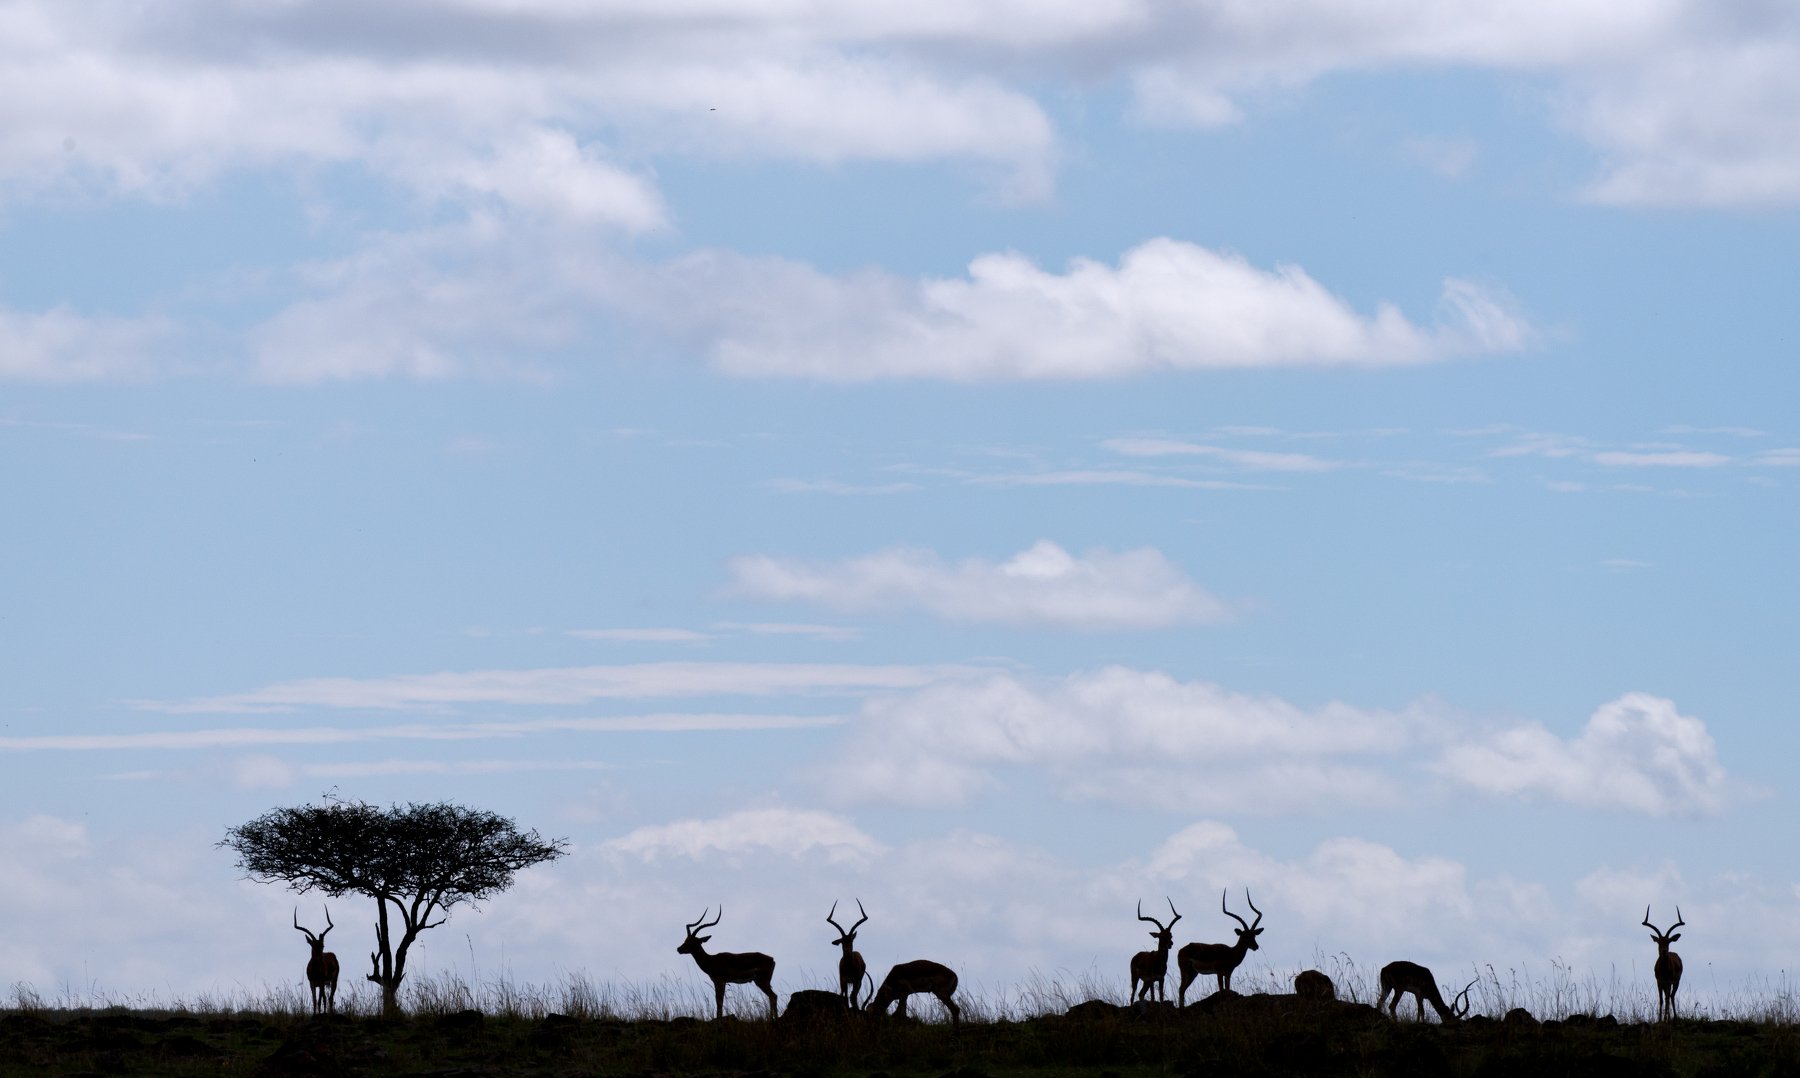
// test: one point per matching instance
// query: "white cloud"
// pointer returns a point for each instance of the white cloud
(784, 832)
(1248, 459)
(1041, 585)
(158, 106)
(60, 345)
(643, 636)
(1167, 305)
(268, 736)
(555, 686)
(832, 486)
(1665, 459)
(473, 298)
(834, 633)
(1121, 735)
(1685, 102)
(547, 173)
(1100, 477)
(1144, 739)
(1635, 753)
(997, 909)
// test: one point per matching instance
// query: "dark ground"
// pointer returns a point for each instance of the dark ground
(1243, 1035)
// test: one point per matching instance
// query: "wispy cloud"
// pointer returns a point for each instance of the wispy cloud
(1100, 477)
(835, 633)
(1667, 458)
(788, 833)
(61, 345)
(559, 686)
(1042, 585)
(833, 486)
(254, 737)
(271, 772)
(643, 636)
(1247, 459)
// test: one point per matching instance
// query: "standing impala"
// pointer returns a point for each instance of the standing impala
(850, 967)
(1668, 964)
(728, 967)
(1400, 978)
(1219, 959)
(1151, 968)
(322, 967)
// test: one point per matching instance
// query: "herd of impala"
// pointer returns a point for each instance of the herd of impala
(1149, 969)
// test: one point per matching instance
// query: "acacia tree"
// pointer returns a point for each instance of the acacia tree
(416, 862)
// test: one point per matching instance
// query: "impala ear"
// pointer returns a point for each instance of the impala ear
(1675, 937)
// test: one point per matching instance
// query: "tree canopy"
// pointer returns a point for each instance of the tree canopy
(417, 861)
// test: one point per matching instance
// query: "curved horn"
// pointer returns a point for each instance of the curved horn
(1231, 915)
(1678, 921)
(697, 925)
(1463, 996)
(328, 925)
(1253, 907)
(1172, 910)
(865, 916)
(832, 923)
(310, 938)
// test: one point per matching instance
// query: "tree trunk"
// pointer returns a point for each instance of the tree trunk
(384, 971)
(390, 998)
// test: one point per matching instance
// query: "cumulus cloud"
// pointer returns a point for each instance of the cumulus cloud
(1003, 908)
(1686, 102)
(1041, 585)
(1144, 739)
(1636, 753)
(1167, 305)
(158, 106)
(1120, 735)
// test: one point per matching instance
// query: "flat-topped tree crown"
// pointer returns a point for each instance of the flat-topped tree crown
(417, 862)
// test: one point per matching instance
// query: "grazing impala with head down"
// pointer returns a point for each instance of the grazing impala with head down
(1400, 978)
(910, 978)
(1218, 959)
(727, 967)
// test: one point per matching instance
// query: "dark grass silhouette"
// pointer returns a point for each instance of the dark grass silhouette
(1227, 1034)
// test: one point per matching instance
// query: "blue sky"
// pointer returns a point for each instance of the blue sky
(999, 462)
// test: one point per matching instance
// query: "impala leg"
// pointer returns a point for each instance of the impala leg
(955, 1011)
(770, 992)
(718, 999)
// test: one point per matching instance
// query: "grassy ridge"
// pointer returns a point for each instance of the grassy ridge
(1255, 1035)
(580, 1028)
